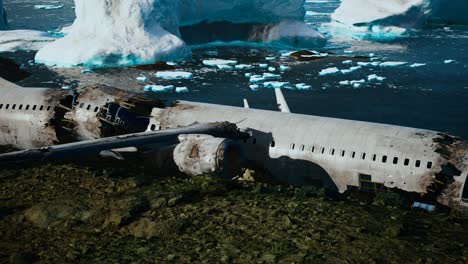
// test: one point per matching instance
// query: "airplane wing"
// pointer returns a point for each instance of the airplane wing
(195, 145)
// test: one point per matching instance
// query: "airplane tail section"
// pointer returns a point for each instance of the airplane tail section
(281, 101)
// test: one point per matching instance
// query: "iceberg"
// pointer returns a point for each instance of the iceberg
(3, 17)
(216, 62)
(116, 33)
(303, 86)
(181, 90)
(176, 75)
(16, 40)
(329, 71)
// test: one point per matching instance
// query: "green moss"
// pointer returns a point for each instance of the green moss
(64, 214)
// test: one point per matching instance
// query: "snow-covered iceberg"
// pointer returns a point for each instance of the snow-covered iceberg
(390, 19)
(121, 33)
(3, 18)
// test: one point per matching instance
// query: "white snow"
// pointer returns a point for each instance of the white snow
(216, 62)
(174, 75)
(49, 7)
(181, 90)
(416, 65)
(329, 71)
(14, 40)
(448, 61)
(375, 78)
(392, 63)
(121, 33)
(159, 88)
(3, 18)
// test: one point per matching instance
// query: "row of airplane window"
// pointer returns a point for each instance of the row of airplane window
(26, 107)
(352, 154)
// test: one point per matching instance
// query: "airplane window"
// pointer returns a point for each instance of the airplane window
(302, 147)
(34, 107)
(41, 108)
(363, 156)
(353, 154)
(48, 108)
(96, 109)
(374, 157)
(429, 165)
(323, 150)
(342, 153)
(13, 107)
(254, 141)
(312, 149)
(273, 144)
(395, 160)
(89, 107)
(7, 106)
(153, 127)
(293, 146)
(384, 159)
(418, 163)
(332, 152)
(20, 107)
(27, 107)
(406, 162)
(1, 106)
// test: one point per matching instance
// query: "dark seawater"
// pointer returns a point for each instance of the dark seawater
(434, 96)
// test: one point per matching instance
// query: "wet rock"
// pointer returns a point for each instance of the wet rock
(143, 228)
(10, 71)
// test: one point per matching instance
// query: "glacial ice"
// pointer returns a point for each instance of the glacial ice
(181, 90)
(15, 40)
(3, 17)
(174, 75)
(216, 62)
(122, 33)
(392, 64)
(329, 71)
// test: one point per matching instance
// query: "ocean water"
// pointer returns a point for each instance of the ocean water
(434, 96)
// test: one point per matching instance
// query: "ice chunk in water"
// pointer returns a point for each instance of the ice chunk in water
(243, 67)
(270, 58)
(216, 62)
(182, 90)
(263, 66)
(248, 75)
(347, 62)
(264, 77)
(357, 83)
(272, 69)
(276, 84)
(375, 78)
(170, 75)
(49, 7)
(448, 61)
(329, 71)
(415, 65)
(284, 68)
(392, 63)
(344, 82)
(142, 79)
(254, 87)
(159, 88)
(303, 86)
(224, 67)
(350, 70)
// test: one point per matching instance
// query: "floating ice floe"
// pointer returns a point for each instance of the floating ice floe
(448, 61)
(248, 74)
(347, 62)
(416, 65)
(264, 77)
(361, 63)
(254, 87)
(224, 67)
(216, 62)
(350, 70)
(174, 75)
(344, 82)
(142, 79)
(270, 58)
(276, 84)
(329, 71)
(357, 83)
(49, 7)
(271, 69)
(284, 68)
(17, 40)
(303, 86)
(393, 63)
(375, 78)
(263, 66)
(243, 67)
(158, 88)
(182, 90)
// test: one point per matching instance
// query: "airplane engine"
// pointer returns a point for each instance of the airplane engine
(207, 155)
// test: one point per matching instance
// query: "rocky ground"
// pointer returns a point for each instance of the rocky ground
(73, 214)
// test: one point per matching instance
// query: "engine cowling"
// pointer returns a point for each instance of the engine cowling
(207, 155)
